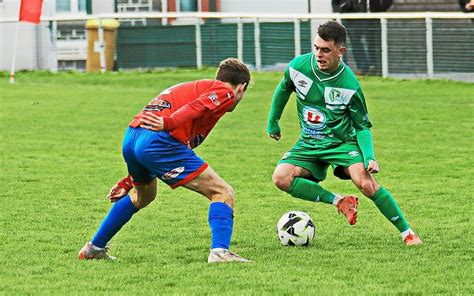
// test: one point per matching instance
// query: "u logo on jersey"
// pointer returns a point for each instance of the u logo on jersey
(314, 118)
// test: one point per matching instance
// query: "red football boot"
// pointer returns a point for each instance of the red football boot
(348, 206)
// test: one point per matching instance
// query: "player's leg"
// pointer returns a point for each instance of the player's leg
(300, 183)
(119, 214)
(383, 200)
(296, 181)
(298, 173)
(221, 214)
(122, 211)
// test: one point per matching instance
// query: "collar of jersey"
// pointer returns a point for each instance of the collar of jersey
(324, 76)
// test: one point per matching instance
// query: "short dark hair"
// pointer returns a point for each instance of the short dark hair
(332, 30)
(233, 71)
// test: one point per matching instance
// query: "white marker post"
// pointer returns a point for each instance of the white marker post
(15, 43)
(101, 47)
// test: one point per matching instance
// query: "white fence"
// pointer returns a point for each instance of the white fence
(427, 45)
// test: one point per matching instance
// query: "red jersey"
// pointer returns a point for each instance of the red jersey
(204, 101)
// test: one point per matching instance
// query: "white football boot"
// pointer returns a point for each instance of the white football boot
(91, 252)
(222, 255)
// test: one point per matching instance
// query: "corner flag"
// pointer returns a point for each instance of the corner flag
(30, 11)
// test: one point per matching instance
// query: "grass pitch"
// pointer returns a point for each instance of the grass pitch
(60, 153)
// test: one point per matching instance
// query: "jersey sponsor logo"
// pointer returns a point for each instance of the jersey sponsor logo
(214, 98)
(315, 134)
(302, 82)
(173, 173)
(314, 118)
(157, 104)
(337, 98)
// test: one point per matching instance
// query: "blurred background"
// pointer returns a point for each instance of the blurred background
(397, 38)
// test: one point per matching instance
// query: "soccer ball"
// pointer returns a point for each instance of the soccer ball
(295, 228)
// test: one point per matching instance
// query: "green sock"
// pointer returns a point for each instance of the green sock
(390, 209)
(309, 190)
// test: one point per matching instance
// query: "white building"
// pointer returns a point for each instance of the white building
(34, 47)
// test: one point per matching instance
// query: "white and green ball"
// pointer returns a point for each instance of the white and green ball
(295, 228)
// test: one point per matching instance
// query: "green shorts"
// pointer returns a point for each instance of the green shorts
(317, 160)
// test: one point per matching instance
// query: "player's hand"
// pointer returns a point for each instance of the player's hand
(276, 137)
(152, 122)
(116, 193)
(373, 167)
(120, 189)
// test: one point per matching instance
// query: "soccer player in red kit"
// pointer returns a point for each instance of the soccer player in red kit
(158, 145)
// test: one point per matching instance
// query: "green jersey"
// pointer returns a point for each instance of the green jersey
(331, 106)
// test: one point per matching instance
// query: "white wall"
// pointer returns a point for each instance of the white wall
(34, 46)
(103, 6)
(26, 55)
(33, 40)
(265, 6)
(276, 6)
(321, 6)
(281, 6)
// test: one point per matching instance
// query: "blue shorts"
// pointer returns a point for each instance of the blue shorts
(151, 155)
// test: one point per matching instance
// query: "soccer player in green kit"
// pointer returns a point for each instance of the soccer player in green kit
(335, 130)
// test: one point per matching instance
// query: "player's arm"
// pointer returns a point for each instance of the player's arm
(366, 145)
(362, 125)
(279, 101)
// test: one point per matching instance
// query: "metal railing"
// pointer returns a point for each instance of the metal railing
(401, 40)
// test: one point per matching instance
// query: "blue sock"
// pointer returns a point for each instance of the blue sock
(221, 221)
(118, 216)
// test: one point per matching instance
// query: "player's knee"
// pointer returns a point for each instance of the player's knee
(368, 187)
(225, 195)
(229, 193)
(142, 201)
(282, 182)
(144, 195)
